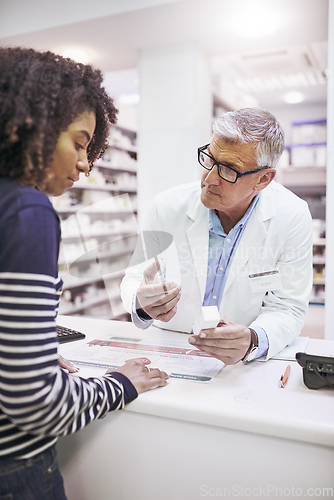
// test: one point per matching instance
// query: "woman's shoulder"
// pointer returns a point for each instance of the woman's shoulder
(15, 197)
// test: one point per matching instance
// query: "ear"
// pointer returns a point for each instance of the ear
(265, 178)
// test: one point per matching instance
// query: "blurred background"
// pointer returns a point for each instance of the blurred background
(172, 66)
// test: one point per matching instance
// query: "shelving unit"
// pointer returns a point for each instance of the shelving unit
(303, 171)
(99, 227)
(319, 267)
(304, 181)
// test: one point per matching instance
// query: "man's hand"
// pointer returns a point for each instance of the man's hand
(228, 342)
(158, 300)
(142, 378)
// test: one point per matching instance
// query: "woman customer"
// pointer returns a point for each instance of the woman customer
(54, 119)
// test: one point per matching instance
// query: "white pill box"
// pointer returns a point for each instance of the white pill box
(208, 318)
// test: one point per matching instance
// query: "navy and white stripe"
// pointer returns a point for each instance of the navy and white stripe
(38, 400)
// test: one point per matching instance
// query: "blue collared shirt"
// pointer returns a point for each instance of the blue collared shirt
(222, 248)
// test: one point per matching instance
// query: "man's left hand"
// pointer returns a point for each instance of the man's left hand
(228, 342)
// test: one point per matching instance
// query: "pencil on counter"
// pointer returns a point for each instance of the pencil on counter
(284, 378)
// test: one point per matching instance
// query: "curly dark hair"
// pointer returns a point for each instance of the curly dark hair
(41, 94)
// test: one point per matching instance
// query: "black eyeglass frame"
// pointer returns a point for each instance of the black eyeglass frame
(219, 165)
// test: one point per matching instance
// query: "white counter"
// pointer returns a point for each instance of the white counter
(236, 432)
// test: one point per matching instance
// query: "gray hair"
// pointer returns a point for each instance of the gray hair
(253, 125)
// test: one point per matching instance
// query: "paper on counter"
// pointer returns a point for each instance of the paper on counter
(180, 360)
(299, 344)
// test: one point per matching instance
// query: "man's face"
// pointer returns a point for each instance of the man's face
(221, 195)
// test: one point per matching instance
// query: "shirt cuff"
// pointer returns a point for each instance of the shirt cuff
(263, 341)
(137, 320)
(130, 392)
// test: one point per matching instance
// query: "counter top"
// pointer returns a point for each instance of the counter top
(244, 397)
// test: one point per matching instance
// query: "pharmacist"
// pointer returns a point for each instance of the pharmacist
(241, 241)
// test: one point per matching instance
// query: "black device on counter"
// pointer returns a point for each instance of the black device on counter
(318, 371)
(67, 334)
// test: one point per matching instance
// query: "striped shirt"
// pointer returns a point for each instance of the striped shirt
(38, 400)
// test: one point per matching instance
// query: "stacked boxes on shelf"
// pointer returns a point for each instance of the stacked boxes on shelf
(319, 261)
(303, 170)
(309, 144)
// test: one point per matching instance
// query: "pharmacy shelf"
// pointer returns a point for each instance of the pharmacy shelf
(319, 260)
(306, 177)
(316, 301)
(111, 188)
(128, 149)
(117, 169)
(304, 181)
(114, 214)
(87, 304)
(102, 256)
(92, 281)
(97, 235)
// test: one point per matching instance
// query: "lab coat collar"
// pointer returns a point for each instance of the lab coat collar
(253, 235)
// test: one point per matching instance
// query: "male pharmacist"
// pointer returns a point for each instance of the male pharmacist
(241, 241)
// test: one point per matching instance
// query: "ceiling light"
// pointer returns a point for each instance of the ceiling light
(293, 97)
(77, 55)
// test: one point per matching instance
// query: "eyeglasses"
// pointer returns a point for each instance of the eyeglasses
(229, 174)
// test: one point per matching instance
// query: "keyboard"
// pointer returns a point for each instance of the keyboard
(68, 335)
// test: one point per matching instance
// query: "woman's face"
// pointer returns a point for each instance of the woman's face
(70, 155)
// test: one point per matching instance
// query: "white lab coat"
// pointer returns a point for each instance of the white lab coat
(277, 237)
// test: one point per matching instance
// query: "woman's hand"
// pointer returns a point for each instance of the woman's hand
(142, 377)
(67, 365)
